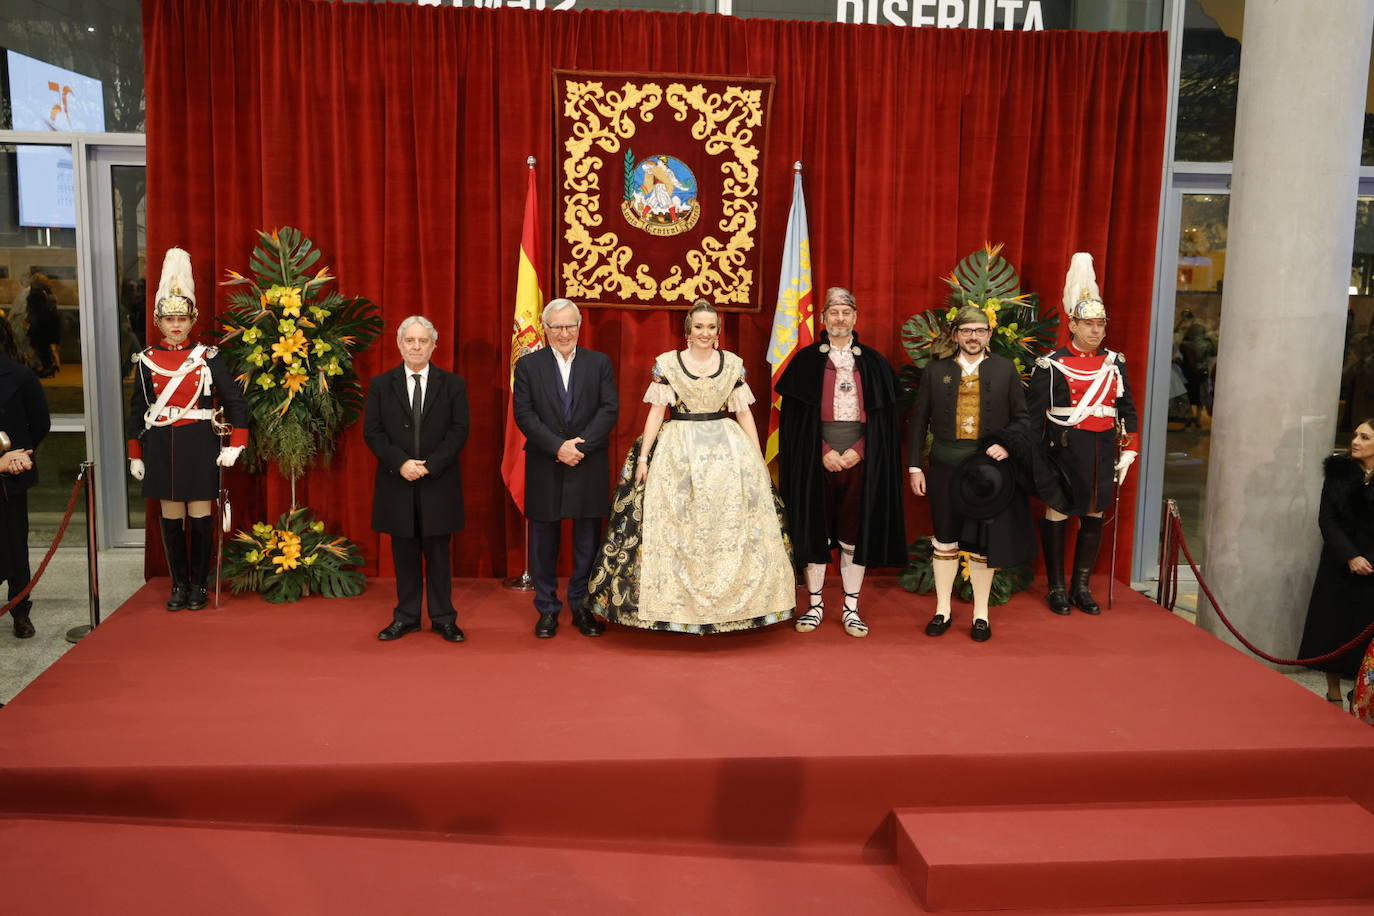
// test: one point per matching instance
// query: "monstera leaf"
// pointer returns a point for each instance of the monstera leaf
(983, 275)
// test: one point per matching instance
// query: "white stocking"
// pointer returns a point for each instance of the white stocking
(980, 574)
(815, 581)
(945, 565)
(851, 574)
(852, 579)
(815, 610)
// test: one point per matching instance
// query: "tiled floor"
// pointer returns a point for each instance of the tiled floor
(61, 602)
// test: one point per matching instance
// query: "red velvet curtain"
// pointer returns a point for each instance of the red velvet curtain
(395, 136)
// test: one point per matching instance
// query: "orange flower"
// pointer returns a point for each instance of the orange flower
(294, 381)
(287, 347)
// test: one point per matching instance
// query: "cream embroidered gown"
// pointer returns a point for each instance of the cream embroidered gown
(700, 547)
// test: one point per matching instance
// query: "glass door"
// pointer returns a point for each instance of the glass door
(119, 266)
(1195, 322)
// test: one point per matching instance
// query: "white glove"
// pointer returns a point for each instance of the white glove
(136, 468)
(228, 455)
(1123, 464)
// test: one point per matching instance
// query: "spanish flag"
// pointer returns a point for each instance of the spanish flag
(794, 316)
(525, 338)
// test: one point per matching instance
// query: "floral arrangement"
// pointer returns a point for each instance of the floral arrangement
(988, 281)
(293, 559)
(291, 345)
(1020, 332)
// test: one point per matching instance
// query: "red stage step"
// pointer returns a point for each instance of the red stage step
(1112, 855)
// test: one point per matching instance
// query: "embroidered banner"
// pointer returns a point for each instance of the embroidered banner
(659, 188)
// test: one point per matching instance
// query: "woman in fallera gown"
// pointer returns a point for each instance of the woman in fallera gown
(696, 541)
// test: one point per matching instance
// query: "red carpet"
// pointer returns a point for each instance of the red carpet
(638, 772)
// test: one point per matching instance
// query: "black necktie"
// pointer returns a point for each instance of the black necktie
(415, 409)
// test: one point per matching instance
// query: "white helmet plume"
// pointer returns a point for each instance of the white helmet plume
(1081, 296)
(176, 290)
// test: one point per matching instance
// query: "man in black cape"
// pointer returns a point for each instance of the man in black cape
(840, 467)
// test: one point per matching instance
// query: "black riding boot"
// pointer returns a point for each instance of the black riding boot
(1084, 556)
(174, 546)
(1052, 544)
(202, 544)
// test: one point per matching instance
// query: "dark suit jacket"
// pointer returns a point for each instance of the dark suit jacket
(1001, 396)
(24, 416)
(552, 489)
(443, 430)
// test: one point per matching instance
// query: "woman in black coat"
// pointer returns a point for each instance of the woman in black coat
(1342, 603)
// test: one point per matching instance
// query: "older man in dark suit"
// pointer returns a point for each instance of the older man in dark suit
(565, 402)
(24, 421)
(415, 422)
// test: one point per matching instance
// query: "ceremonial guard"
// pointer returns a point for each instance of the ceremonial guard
(1082, 397)
(175, 428)
(840, 461)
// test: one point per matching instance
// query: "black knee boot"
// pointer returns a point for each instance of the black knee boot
(202, 544)
(1084, 556)
(174, 546)
(1052, 544)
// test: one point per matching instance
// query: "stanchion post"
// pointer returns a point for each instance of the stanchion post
(92, 555)
(522, 582)
(1162, 581)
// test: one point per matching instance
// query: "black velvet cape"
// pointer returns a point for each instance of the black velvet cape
(882, 536)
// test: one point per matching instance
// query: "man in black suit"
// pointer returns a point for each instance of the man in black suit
(565, 402)
(24, 421)
(415, 422)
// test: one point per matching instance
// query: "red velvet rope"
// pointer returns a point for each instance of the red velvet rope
(1177, 524)
(47, 558)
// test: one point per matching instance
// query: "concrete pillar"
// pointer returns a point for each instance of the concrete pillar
(1304, 70)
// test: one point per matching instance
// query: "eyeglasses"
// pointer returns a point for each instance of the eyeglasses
(973, 332)
(562, 327)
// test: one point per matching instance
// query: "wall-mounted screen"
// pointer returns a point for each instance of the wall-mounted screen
(48, 98)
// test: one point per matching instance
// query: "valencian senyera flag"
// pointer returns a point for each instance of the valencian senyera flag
(525, 338)
(794, 317)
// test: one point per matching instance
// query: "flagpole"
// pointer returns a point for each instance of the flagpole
(523, 582)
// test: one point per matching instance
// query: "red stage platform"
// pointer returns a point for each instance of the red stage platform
(267, 758)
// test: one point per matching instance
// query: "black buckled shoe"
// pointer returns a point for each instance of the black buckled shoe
(938, 625)
(197, 597)
(23, 627)
(1058, 600)
(981, 631)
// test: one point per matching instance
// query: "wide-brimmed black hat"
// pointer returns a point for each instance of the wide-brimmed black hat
(983, 486)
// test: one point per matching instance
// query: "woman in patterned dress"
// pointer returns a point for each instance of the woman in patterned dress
(696, 542)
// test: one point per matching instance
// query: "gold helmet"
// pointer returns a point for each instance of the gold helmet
(1081, 297)
(176, 291)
